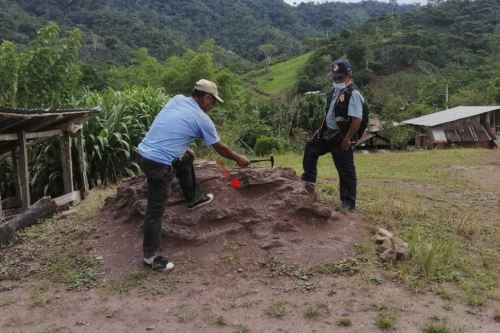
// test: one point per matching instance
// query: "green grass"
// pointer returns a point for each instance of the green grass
(39, 295)
(346, 266)
(315, 311)
(344, 321)
(78, 272)
(428, 166)
(220, 321)
(279, 268)
(436, 328)
(280, 76)
(385, 321)
(277, 310)
(423, 199)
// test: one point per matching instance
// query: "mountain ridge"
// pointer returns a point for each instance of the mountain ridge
(165, 27)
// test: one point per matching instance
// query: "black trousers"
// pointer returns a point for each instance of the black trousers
(344, 162)
(159, 178)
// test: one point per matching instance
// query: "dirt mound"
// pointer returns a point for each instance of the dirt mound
(272, 211)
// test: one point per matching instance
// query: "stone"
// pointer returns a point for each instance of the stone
(284, 227)
(384, 232)
(384, 243)
(388, 255)
(403, 251)
(271, 245)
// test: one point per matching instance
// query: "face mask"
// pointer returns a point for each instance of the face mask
(340, 85)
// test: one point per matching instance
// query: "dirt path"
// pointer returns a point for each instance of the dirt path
(229, 284)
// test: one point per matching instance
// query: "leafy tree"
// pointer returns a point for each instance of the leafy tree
(48, 72)
(269, 50)
(9, 69)
(327, 23)
(144, 71)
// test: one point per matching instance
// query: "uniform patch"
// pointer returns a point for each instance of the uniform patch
(342, 98)
(335, 67)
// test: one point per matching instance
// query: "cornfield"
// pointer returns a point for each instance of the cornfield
(110, 142)
(111, 139)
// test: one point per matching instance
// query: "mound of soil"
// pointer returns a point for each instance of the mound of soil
(272, 211)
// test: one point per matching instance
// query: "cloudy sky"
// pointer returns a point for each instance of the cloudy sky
(399, 1)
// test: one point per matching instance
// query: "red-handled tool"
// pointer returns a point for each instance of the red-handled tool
(234, 181)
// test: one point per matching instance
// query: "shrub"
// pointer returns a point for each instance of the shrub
(266, 145)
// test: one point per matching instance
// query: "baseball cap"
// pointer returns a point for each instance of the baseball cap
(208, 87)
(339, 68)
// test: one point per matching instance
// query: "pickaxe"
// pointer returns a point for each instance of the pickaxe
(270, 159)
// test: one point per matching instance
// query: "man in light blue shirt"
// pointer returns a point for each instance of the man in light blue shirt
(164, 153)
(337, 134)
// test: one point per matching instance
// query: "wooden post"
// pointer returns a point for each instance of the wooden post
(17, 178)
(82, 162)
(67, 169)
(23, 171)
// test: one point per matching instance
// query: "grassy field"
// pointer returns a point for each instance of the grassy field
(278, 77)
(427, 200)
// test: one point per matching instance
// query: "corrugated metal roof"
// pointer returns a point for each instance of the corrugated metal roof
(450, 115)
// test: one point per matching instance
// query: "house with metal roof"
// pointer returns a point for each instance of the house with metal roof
(463, 126)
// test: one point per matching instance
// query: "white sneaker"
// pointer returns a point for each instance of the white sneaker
(159, 263)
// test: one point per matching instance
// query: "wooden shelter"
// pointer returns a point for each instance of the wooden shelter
(463, 126)
(19, 127)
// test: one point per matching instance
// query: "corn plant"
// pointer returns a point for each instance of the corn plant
(111, 139)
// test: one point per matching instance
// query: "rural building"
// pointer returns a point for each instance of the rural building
(462, 126)
(20, 127)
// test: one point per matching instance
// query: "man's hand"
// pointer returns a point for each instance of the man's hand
(242, 161)
(346, 141)
(227, 152)
(346, 144)
(191, 153)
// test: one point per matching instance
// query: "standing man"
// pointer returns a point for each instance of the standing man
(344, 113)
(164, 153)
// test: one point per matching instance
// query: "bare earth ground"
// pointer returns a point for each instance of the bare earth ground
(229, 283)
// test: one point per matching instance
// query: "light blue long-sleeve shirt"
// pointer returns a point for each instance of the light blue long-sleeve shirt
(179, 122)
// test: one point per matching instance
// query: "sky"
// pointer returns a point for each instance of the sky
(399, 1)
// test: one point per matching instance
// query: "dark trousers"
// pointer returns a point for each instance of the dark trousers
(344, 162)
(159, 178)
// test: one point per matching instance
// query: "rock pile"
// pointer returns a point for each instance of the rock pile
(390, 248)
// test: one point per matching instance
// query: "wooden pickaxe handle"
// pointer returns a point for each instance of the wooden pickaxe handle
(270, 159)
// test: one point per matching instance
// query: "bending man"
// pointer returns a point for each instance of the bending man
(164, 153)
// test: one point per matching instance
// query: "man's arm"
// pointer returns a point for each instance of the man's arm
(227, 152)
(356, 114)
(353, 128)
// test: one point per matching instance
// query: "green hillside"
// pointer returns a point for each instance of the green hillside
(114, 29)
(405, 64)
(278, 77)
